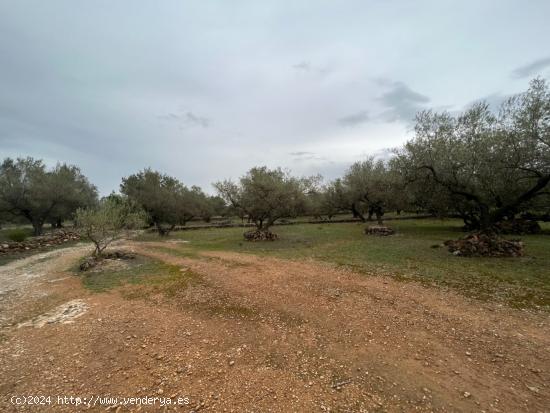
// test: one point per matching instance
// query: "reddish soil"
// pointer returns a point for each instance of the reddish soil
(255, 334)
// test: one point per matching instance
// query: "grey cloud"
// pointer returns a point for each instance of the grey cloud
(308, 67)
(305, 66)
(532, 68)
(495, 100)
(187, 119)
(384, 154)
(355, 118)
(301, 153)
(254, 77)
(401, 101)
(306, 156)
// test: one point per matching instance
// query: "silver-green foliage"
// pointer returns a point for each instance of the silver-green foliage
(108, 221)
(487, 166)
(266, 195)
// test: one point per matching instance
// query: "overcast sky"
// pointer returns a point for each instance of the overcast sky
(204, 90)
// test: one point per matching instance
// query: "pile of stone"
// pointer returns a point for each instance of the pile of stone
(481, 244)
(94, 260)
(379, 230)
(519, 227)
(48, 240)
(257, 235)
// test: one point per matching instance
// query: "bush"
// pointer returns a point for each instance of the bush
(108, 221)
(17, 235)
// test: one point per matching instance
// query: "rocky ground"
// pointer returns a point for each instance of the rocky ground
(256, 334)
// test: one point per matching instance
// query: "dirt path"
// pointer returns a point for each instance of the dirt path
(25, 284)
(256, 334)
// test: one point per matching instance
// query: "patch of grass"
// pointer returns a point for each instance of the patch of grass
(408, 255)
(18, 234)
(149, 276)
(177, 251)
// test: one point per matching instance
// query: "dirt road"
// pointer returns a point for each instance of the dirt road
(256, 334)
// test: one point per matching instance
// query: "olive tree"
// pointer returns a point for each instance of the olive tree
(489, 166)
(202, 205)
(337, 198)
(76, 192)
(325, 200)
(371, 186)
(111, 218)
(265, 195)
(165, 199)
(30, 191)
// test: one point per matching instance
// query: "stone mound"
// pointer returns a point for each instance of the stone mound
(91, 262)
(257, 235)
(379, 230)
(485, 245)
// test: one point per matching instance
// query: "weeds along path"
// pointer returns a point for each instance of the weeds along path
(355, 342)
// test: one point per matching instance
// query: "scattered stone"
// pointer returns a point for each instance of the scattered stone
(482, 244)
(257, 235)
(118, 255)
(48, 240)
(340, 384)
(88, 263)
(63, 314)
(93, 261)
(380, 230)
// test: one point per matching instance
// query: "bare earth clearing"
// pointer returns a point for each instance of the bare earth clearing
(254, 334)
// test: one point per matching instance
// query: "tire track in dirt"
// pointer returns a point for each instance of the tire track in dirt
(264, 334)
(466, 353)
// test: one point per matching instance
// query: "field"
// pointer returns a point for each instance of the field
(325, 319)
(409, 255)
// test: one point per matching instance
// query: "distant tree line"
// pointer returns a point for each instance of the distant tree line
(484, 166)
(32, 193)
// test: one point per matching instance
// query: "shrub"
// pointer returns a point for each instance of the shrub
(17, 234)
(107, 221)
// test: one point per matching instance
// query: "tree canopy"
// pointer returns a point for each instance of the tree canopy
(165, 199)
(30, 191)
(488, 166)
(265, 195)
(107, 221)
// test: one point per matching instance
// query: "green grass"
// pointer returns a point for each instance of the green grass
(408, 255)
(26, 229)
(6, 232)
(155, 276)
